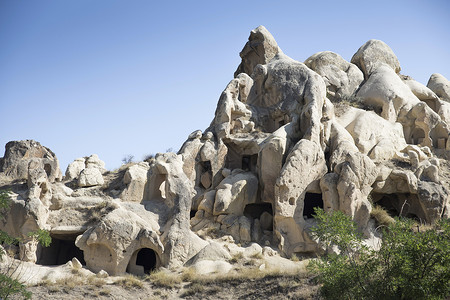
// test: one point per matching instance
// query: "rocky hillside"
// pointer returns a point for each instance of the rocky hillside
(286, 137)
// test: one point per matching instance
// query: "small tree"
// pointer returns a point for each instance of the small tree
(9, 285)
(127, 159)
(409, 264)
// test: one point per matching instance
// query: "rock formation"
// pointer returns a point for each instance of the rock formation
(286, 137)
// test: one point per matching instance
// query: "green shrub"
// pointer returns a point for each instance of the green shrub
(408, 265)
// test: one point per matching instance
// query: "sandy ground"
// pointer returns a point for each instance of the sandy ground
(269, 287)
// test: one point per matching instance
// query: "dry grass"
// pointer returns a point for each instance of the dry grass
(98, 282)
(188, 275)
(69, 282)
(129, 281)
(238, 274)
(164, 279)
(294, 257)
(104, 292)
(100, 210)
(193, 289)
(381, 216)
(236, 257)
(257, 256)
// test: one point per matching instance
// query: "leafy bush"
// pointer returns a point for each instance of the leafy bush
(409, 264)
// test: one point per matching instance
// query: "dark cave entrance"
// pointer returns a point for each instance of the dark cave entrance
(311, 201)
(146, 258)
(417, 136)
(48, 169)
(61, 250)
(249, 162)
(254, 210)
(238, 159)
(390, 202)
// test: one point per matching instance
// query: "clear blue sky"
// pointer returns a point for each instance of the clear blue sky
(136, 77)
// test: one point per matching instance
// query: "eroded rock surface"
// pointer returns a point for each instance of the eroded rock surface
(286, 137)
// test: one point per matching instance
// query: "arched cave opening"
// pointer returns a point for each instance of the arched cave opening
(147, 258)
(254, 210)
(143, 262)
(311, 201)
(61, 250)
(157, 189)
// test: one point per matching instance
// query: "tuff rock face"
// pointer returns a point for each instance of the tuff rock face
(286, 137)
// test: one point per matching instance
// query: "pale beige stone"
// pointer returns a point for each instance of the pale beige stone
(440, 85)
(372, 54)
(90, 177)
(341, 77)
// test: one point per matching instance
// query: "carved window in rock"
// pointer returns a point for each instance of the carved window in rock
(249, 163)
(48, 169)
(158, 187)
(310, 202)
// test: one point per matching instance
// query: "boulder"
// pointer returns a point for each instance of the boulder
(113, 244)
(387, 93)
(440, 85)
(373, 54)
(235, 192)
(260, 49)
(18, 155)
(213, 251)
(74, 169)
(341, 77)
(94, 161)
(135, 179)
(90, 177)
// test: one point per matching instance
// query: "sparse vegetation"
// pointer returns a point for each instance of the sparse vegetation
(104, 292)
(129, 281)
(101, 209)
(408, 265)
(294, 257)
(95, 281)
(257, 255)
(164, 279)
(194, 288)
(236, 257)
(381, 216)
(127, 159)
(344, 102)
(148, 157)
